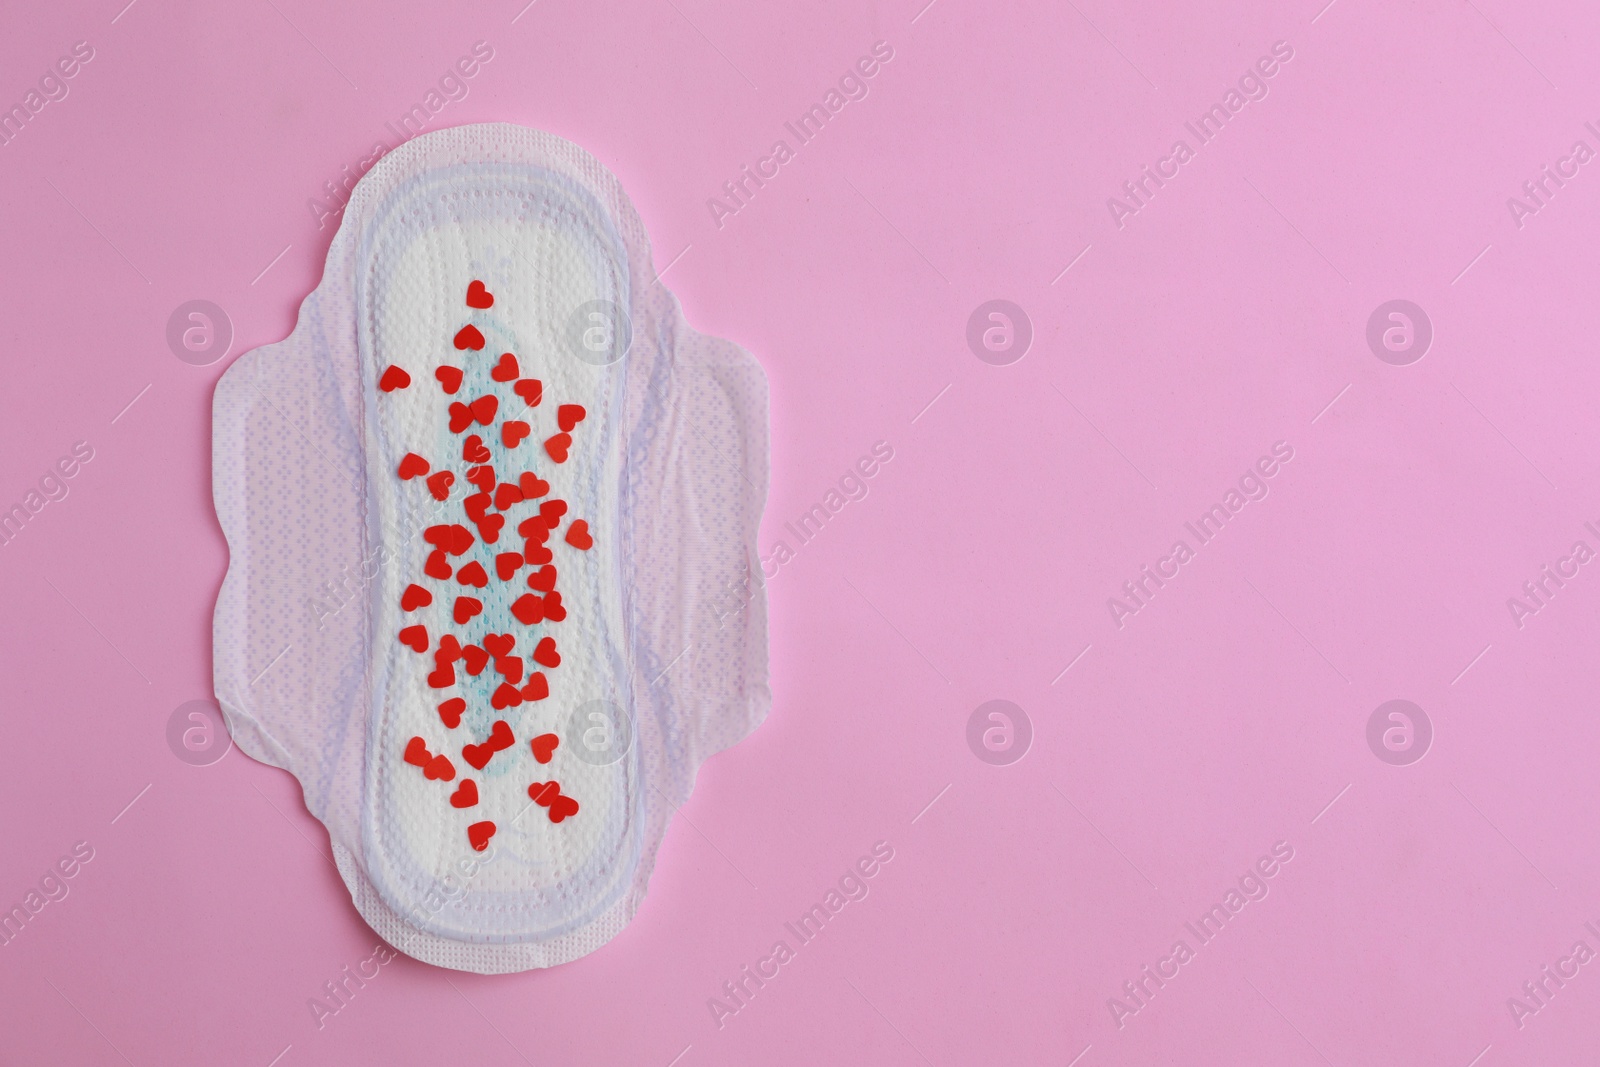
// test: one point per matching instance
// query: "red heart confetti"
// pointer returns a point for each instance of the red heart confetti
(489, 528)
(416, 637)
(450, 712)
(543, 579)
(478, 835)
(466, 608)
(531, 390)
(562, 807)
(544, 747)
(545, 653)
(417, 753)
(557, 447)
(439, 484)
(506, 696)
(449, 649)
(449, 377)
(472, 574)
(466, 794)
(506, 494)
(535, 553)
(483, 477)
(415, 597)
(438, 566)
(510, 668)
(535, 529)
(499, 644)
(454, 538)
(443, 676)
(477, 506)
(506, 369)
(460, 417)
(479, 297)
(551, 511)
(514, 432)
(528, 609)
(506, 565)
(477, 659)
(537, 688)
(474, 450)
(553, 611)
(394, 378)
(543, 793)
(478, 756)
(532, 486)
(413, 465)
(484, 407)
(569, 415)
(578, 535)
(469, 337)
(439, 768)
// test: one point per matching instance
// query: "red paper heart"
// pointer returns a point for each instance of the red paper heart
(483, 477)
(439, 484)
(500, 737)
(412, 465)
(537, 688)
(477, 506)
(466, 794)
(528, 609)
(557, 447)
(531, 390)
(543, 579)
(472, 574)
(474, 451)
(553, 611)
(506, 369)
(466, 608)
(578, 535)
(415, 597)
(479, 833)
(561, 807)
(443, 676)
(535, 553)
(506, 565)
(450, 712)
(513, 432)
(417, 753)
(439, 768)
(551, 511)
(484, 407)
(478, 296)
(532, 486)
(477, 659)
(454, 538)
(507, 493)
(416, 637)
(449, 649)
(510, 668)
(534, 529)
(460, 416)
(499, 644)
(569, 415)
(477, 755)
(489, 528)
(545, 653)
(449, 377)
(544, 747)
(543, 793)
(469, 337)
(506, 696)
(394, 378)
(437, 566)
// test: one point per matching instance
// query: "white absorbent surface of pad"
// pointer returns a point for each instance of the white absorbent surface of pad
(667, 469)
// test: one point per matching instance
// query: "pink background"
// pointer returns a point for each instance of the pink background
(1222, 718)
